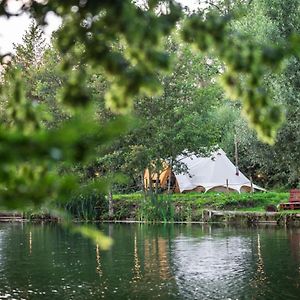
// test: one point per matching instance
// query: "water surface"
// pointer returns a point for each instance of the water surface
(150, 262)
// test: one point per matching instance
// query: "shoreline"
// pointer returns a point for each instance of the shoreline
(280, 218)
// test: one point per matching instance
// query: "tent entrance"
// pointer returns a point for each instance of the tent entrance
(167, 180)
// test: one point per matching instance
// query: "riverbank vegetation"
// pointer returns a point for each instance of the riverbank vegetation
(127, 86)
(170, 208)
(189, 207)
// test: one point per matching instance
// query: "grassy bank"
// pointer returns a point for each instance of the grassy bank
(165, 208)
(189, 207)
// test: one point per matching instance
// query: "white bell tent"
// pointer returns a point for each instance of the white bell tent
(213, 173)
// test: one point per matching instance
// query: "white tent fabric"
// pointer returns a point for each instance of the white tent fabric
(212, 172)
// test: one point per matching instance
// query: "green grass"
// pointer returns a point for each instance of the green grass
(175, 207)
(189, 206)
(217, 200)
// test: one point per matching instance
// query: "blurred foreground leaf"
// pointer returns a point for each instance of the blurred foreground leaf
(94, 235)
(87, 230)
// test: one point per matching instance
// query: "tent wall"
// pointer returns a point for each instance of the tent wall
(200, 189)
(214, 173)
(222, 189)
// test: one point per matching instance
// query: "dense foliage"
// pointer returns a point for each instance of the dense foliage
(277, 165)
(111, 53)
(176, 122)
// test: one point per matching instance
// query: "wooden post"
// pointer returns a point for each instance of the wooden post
(209, 215)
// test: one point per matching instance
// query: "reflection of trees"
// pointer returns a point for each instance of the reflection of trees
(235, 262)
(42, 259)
(275, 254)
(294, 240)
(156, 258)
(150, 260)
(47, 259)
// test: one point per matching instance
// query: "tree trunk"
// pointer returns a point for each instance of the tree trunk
(170, 176)
(156, 183)
(150, 181)
(144, 188)
(110, 204)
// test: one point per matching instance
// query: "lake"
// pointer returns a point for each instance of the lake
(150, 262)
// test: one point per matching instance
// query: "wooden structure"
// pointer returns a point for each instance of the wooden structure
(163, 180)
(243, 217)
(294, 201)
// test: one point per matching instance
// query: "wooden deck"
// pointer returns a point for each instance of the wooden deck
(11, 217)
(290, 206)
(294, 201)
(279, 218)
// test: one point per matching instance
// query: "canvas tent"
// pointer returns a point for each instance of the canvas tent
(213, 173)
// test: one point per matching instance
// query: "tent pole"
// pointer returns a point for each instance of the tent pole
(227, 186)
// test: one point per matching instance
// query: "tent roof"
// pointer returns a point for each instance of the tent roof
(210, 172)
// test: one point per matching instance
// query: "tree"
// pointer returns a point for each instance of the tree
(175, 123)
(37, 64)
(29, 53)
(134, 72)
(277, 165)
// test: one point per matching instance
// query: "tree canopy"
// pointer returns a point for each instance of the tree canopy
(278, 165)
(117, 52)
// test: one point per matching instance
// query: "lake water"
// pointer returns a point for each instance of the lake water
(150, 262)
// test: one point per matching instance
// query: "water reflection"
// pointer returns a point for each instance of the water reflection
(294, 240)
(209, 267)
(30, 242)
(156, 257)
(98, 261)
(137, 267)
(260, 263)
(167, 262)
